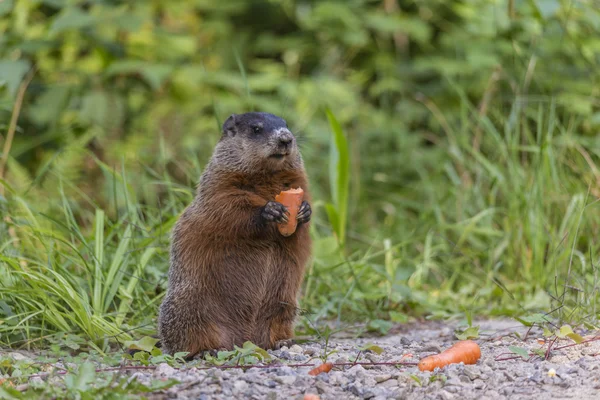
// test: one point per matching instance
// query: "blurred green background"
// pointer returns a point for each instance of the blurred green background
(471, 134)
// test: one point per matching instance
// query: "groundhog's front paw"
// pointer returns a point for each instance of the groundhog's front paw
(275, 212)
(304, 213)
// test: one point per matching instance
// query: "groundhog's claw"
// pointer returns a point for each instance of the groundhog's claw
(275, 212)
(304, 213)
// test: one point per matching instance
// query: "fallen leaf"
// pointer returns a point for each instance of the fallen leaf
(533, 319)
(575, 337)
(519, 351)
(145, 344)
(566, 331)
(372, 347)
(469, 333)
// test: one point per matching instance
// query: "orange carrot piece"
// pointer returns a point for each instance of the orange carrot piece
(291, 199)
(325, 367)
(310, 396)
(466, 351)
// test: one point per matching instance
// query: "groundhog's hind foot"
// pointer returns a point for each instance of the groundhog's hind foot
(285, 342)
(214, 353)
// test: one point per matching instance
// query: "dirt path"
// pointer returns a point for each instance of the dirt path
(571, 372)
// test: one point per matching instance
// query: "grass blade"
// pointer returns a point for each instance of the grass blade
(339, 175)
(99, 260)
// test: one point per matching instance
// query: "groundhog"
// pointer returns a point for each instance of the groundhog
(233, 277)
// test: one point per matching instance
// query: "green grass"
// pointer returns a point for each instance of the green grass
(502, 227)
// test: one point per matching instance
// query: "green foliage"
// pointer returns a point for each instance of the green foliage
(380, 326)
(120, 75)
(471, 332)
(154, 356)
(145, 344)
(461, 137)
(88, 387)
(531, 320)
(83, 379)
(367, 347)
(566, 331)
(339, 179)
(60, 278)
(248, 354)
(416, 379)
(371, 347)
(523, 353)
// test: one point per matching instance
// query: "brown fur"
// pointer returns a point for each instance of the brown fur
(234, 277)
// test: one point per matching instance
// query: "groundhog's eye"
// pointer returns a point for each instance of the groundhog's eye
(256, 129)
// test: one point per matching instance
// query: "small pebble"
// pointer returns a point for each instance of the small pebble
(218, 373)
(240, 386)
(285, 370)
(18, 356)
(286, 379)
(271, 383)
(37, 381)
(472, 372)
(322, 387)
(382, 378)
(391, 383)
(453, 382)
(356, 370)
(296, 349)
(299, 357)
(509, 377)
(432, 348)
(164, 371)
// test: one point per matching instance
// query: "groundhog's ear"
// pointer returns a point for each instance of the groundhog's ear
(229, 126)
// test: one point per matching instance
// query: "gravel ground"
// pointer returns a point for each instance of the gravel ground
(572, 372)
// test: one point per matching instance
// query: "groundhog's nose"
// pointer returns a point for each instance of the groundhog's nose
(285, 141)
(285, 138)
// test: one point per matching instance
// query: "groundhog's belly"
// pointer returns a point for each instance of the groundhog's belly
(243, 278)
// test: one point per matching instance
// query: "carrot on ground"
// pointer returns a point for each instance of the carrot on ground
(291, 199)
(465, 351)
(325, 367)
(310, 396)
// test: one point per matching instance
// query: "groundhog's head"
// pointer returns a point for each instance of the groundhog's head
(258, 141)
